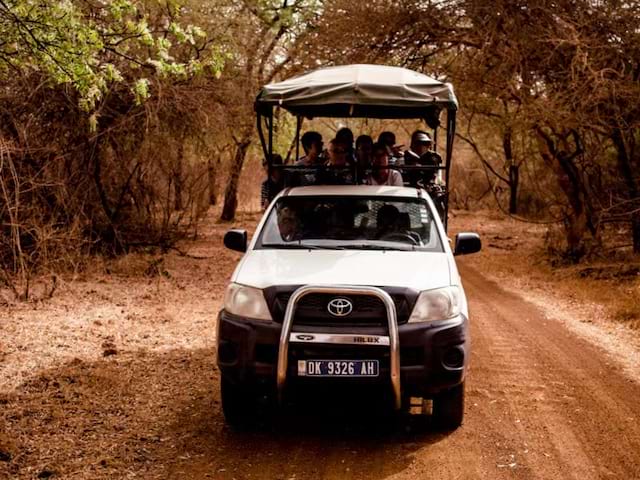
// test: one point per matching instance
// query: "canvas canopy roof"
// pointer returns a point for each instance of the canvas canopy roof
(360, 91)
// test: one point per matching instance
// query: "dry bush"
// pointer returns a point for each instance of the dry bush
(140, 179)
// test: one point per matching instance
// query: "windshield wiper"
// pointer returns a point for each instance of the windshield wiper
(368, 246)
(302, 246)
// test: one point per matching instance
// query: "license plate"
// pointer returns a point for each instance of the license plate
(338, 368)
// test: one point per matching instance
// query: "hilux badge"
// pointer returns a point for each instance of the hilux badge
(340, 307)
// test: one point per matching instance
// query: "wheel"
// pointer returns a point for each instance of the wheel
(448, 408)
(234, 403)
(242, 408)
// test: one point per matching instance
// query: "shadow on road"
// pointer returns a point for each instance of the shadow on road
(157, 415)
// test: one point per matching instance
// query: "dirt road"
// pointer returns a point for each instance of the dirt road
(542, 403)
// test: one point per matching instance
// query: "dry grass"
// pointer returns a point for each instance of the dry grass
(95, 381)
(515, 253)
(115, 375)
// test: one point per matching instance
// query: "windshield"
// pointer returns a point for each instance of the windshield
(351, 222)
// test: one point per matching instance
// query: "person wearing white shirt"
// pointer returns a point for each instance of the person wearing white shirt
(381, 174)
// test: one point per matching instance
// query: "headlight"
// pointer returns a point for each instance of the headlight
(439, 304)
(246, 302)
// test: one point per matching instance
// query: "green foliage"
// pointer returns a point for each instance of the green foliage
(95, 47)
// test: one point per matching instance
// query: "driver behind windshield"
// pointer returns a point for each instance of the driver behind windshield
(387, 221)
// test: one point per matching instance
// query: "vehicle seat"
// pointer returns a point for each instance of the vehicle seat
(404, 226)
(404, 221)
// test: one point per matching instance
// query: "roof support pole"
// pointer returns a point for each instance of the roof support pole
(270, 122)
(299, 120)
(451, 135)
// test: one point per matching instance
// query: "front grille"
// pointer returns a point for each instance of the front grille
(367, 309)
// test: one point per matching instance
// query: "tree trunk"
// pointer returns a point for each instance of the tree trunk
(231, 192)
(557, 152)
(624, 145)
(514, 176)
(211, 175)
(635, 232)
(178, 177)
(514, 181)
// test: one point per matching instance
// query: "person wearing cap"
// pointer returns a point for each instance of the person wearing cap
(420, 153)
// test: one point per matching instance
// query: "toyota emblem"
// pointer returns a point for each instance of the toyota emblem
(340, 307)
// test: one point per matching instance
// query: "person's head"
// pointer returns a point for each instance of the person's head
(345, 135)
(364, 149)
(380, 159)
(387, 219)
(338, 153)
(288, 223)
(312, 143)
(387, 138)
(420, 142)
(276, 173)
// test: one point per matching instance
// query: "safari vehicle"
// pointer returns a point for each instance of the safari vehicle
(327, 294)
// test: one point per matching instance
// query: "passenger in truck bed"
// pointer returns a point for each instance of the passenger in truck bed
(420, 153)
(312, 146)
(345, 135)
(364, 150)
(274, 182)
(339, 171)
(381, 174)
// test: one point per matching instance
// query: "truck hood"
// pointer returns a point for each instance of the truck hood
(417, 270)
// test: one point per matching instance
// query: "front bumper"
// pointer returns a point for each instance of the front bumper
(433, 356)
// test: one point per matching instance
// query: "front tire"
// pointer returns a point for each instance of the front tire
(448, 408)
(244, 408)
(236, 404)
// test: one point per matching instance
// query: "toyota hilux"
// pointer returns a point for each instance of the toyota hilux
(347, 283)
(350, 286)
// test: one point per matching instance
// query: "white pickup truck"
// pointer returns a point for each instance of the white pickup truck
(346, 285)
(350, 286)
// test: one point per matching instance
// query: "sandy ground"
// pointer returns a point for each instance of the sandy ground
(115, 378)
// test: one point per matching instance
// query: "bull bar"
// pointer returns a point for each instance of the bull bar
(287, 325)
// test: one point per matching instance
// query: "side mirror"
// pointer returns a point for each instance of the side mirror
(467, 243)
(236, 240)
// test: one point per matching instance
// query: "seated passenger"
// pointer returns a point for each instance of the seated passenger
(387, 221)
(381, 174)
(274, 182)
(339, 171)
(388, 139)
(345, 135)
(312, 146)
(342, 226)
(420, 153)
(364, 149)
